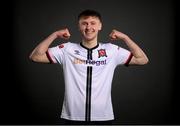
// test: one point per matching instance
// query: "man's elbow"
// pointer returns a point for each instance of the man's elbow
(144, 61)
(141, 61)
(33, 58)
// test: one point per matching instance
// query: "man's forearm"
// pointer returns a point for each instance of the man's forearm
(43, 46)
(138, 54)
(134, 48)
(39, 53)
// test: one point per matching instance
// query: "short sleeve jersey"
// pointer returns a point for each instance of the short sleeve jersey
(88, 75)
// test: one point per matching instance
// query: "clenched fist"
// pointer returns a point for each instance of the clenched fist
(63, 33)
(115, 35)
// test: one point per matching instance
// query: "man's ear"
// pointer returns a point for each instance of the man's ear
(100, 26)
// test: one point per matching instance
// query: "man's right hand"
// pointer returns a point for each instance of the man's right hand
(63, 33)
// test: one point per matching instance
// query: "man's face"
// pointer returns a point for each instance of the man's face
(89, 27)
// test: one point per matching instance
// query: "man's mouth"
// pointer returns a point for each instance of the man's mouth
(89, 32)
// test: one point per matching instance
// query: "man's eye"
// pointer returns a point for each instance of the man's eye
(84, 23)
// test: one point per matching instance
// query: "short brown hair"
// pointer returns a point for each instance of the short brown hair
(90, 13)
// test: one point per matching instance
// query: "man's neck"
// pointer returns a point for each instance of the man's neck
(89, 44)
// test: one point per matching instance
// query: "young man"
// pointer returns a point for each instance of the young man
(88, 67)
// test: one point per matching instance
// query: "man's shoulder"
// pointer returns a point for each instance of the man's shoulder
(69, 43)
(108, 45)
(66, 45)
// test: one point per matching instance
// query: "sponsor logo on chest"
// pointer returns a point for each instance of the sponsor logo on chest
(97, 61)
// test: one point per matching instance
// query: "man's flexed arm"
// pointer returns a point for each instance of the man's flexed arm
(139, 57)
(39, 53)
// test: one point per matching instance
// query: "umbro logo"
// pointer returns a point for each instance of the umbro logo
(76, 52)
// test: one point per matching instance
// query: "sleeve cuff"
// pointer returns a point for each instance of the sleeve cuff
(128, 60)
(49, 57)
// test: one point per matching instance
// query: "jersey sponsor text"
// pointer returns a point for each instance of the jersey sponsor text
(90, 62)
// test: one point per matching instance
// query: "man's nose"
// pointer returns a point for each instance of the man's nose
(88, 26)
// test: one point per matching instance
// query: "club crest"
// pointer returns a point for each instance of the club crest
(102, 53)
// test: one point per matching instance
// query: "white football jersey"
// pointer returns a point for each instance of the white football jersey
(88, 78)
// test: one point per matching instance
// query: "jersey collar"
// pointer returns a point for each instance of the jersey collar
(89, 48)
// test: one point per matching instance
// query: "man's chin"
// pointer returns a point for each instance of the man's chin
(89, 38)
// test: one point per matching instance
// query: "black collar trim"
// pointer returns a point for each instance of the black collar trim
(89, 48)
